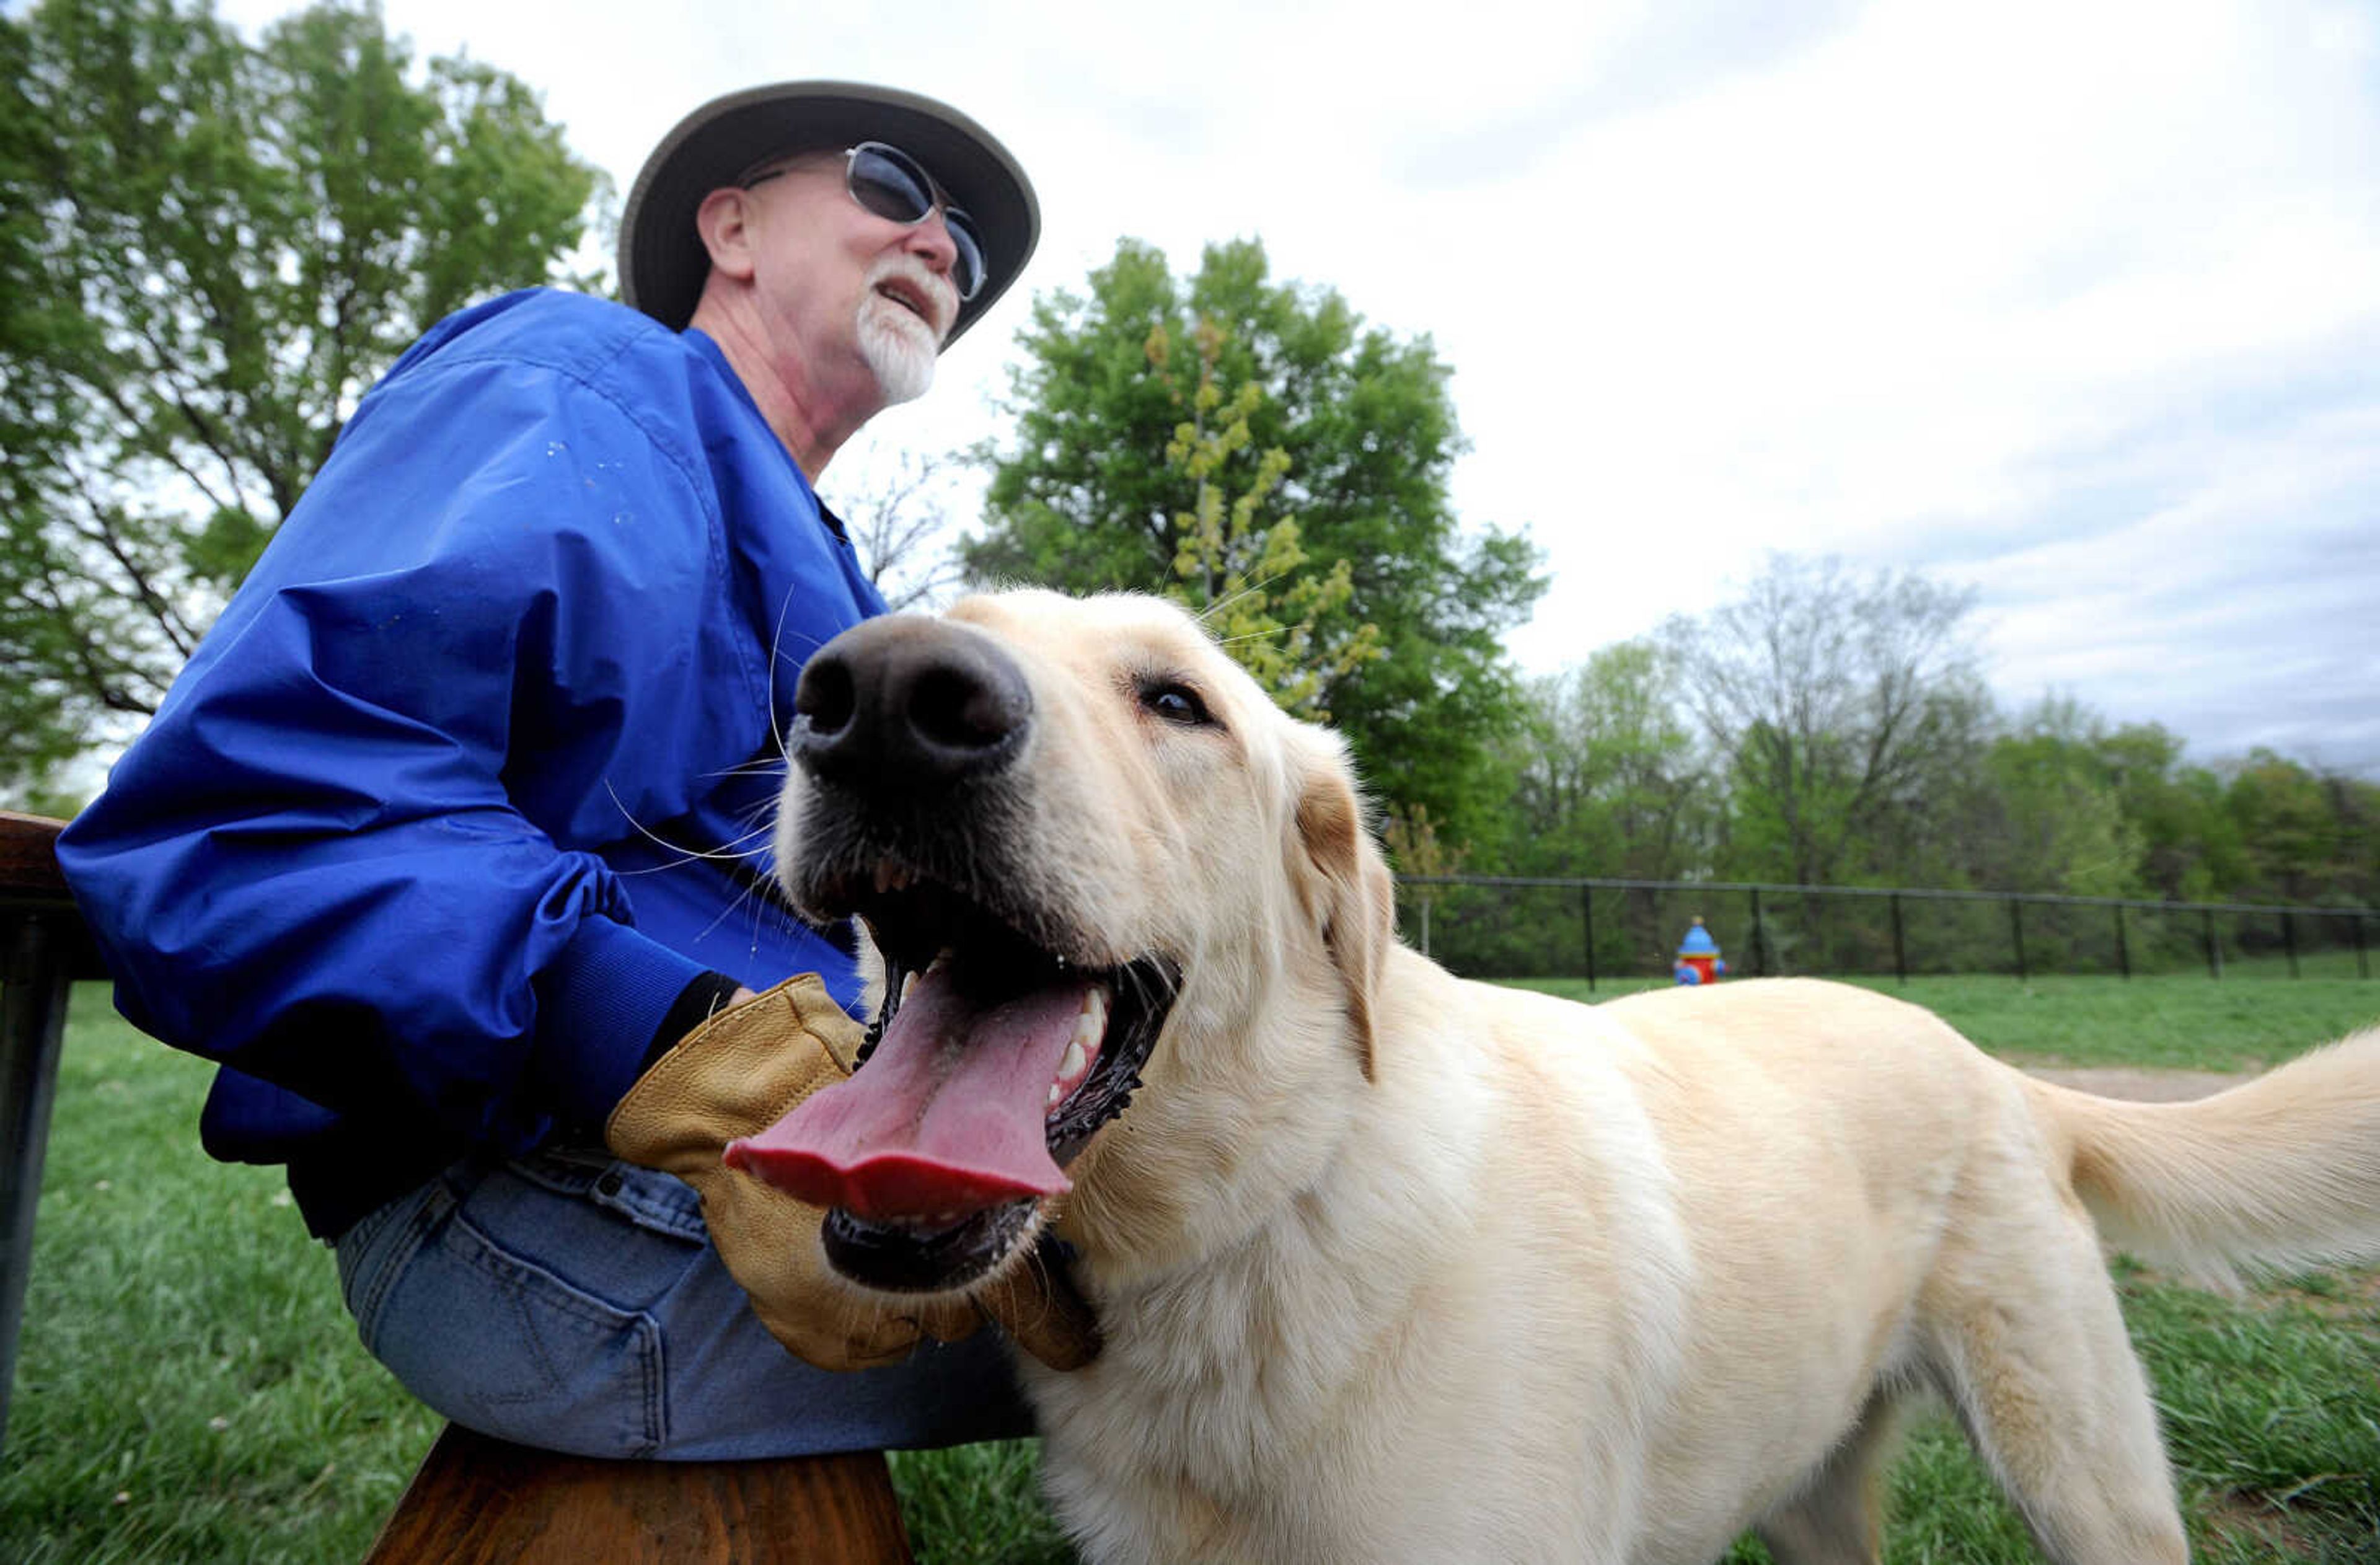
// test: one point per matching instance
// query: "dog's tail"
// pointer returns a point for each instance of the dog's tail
(2279, 1173)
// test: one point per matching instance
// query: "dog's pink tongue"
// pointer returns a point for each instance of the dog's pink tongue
(946, 1118)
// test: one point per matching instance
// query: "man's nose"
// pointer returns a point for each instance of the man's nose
(931, 241)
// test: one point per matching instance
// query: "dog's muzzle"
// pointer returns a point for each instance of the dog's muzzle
(1010, 1034)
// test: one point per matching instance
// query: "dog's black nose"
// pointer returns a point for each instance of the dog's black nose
(906, 702)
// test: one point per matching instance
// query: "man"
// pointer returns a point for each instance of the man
(457, 821)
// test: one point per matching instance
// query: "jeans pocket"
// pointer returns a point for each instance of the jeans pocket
(501, 1344)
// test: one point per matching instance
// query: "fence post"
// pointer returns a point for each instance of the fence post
(2362, 966)
(2290, 938)
(1586, 902)
(2214, 948)
(2016, 927)
(1759, 946)
(1900, 950)
(2123, 948)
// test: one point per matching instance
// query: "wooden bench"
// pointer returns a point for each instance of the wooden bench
(483, 1501)
(475, 1500)
(44, 949)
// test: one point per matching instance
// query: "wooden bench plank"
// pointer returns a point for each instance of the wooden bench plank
(29, 860)
(33, 891)
(482, 1501)
(44, 947)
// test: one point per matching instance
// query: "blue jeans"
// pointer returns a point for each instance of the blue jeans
(571, 1301)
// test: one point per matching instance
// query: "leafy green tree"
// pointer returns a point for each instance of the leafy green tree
(2308, 836)
(2356, 803)
(1241, 572)
(1610, 776)
(209, 249)
(2062, 822)
(1081, 497)
(2190, 846)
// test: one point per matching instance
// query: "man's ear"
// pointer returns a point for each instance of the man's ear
(724, 220)
(1346, 887)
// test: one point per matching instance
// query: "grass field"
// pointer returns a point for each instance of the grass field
(2180, 1023)
(189, 1390)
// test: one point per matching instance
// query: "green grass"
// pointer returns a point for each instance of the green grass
(977, 1505)
(2173, 1023)
(189, 1388)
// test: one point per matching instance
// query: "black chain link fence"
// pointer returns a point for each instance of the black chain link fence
(1506, 926)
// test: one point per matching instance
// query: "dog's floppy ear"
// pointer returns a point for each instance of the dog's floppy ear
(1344, 885)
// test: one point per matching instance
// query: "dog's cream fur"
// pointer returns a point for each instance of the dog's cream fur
(1395, 1267)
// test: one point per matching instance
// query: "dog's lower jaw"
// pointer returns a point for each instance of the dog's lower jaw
(1030, 1289)
(905, 1261)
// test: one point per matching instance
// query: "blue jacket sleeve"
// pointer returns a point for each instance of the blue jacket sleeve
(351, 856)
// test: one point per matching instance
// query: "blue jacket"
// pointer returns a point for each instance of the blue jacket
(415, 846)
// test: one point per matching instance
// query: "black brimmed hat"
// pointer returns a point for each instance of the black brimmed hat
(662, 264)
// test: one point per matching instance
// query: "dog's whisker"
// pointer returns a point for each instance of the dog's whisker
(1252, 636)
(726, 853)
(1247, 590)
(777, 651)
(743, 894)
(684, 855)
(765, 763)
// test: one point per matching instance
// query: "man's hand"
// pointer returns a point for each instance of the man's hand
(737, 1075)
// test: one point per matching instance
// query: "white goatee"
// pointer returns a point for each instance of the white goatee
(897, 344)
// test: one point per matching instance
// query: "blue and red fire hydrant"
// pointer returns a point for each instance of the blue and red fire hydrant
(1698, 959)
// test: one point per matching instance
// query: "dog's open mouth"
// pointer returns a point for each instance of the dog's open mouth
(993, 1064)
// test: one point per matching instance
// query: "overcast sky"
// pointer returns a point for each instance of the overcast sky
(2075, 302)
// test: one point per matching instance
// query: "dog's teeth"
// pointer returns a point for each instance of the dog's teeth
(908, 982)
(942, 960)
(1057, 1094)
(1075, 1059)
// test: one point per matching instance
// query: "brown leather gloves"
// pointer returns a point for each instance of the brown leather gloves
(737, 1075)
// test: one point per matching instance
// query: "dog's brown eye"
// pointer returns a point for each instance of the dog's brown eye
(1175, 703)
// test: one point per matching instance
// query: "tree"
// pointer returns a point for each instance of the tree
(207, 250)
(2062, 825)
(2308, 836)
(899, 521)
(1411, 838)
(2190, 848)
(1851, 713)
(1611, 779)
(1238, 571)
(1082, 498)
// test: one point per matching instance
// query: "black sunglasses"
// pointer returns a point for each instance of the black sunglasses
(895, 187)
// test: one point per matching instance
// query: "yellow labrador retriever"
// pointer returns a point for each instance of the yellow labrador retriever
(1394, 1267)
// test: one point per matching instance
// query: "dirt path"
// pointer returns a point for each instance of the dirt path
(2149, 1087)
